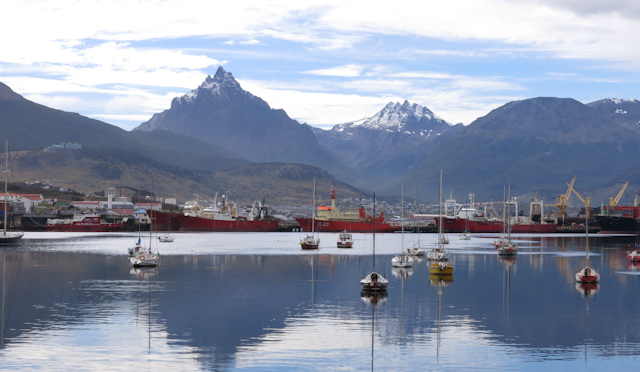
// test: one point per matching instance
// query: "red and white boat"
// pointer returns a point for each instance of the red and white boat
(332, 219)
(634, 256)
(587, 275)
(85, 222)
(345, 240)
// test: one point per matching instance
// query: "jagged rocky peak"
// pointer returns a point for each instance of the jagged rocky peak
(396, 117)
(213, 85)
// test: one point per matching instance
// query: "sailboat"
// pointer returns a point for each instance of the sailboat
(504, 245)
(403, 259)
(466, 235)
(634, 256)
(441, 282)
(8, 237)
(374, 281)
(167, 238)
(310, 241)
(440, 264)
(141, 258)
(587, 274)
(417, 250)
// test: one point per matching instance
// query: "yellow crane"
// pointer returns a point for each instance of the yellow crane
(614, 201)
(587, 203)
(563, 200)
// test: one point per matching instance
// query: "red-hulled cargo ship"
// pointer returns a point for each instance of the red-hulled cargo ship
(475, 221)
(165, 221)
(331, 219)
(85, 222)
(225, 218)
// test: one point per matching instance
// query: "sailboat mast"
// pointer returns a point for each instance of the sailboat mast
(374, 231)
(313, 207)
(586, 226)
(415, 212)
(402, 213)
(6, 181)
(440, 206)
(509, 214)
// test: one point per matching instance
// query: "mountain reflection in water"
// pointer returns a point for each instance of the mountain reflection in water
(67, 309)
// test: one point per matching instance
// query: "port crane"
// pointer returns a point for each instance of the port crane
(563, 200)
(614, 201)
(587, 202)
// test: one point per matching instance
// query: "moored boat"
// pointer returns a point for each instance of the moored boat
(374, 281)
(85, 222)
(310, 241)
(472, 220)
(8, 237)
(331, 219)
(634, 256)
(438, 257)
(225, 218)
(403, 259)
(587, 275)
(345, 240)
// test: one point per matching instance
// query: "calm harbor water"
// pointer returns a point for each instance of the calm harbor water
(255, 301)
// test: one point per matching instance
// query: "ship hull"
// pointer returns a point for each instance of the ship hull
(618, 225)
(205, 224)
(107, 227)
(340, 226)
(458, 225)
(165, 221)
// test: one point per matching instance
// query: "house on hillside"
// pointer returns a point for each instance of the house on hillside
(63, 147)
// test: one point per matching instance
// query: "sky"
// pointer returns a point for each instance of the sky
(327, 63)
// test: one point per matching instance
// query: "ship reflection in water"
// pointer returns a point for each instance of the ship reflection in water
(65, 307)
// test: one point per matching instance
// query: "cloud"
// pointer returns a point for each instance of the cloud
(353, 55)
(249, 42)
(342, 71)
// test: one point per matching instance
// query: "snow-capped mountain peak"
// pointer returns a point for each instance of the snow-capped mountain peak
(213, 85)
(397, 117)
(621, 101)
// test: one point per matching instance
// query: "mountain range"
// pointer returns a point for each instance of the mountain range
(166, 162)
(395, 140)
(219, 137)
(220, 112)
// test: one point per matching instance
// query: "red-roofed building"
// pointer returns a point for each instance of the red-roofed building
(28, 200)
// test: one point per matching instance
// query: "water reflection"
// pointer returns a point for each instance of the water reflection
(214, 312)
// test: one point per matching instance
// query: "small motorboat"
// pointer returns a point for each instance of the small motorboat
(441, 268)
(309, 242)
(345, 240)
(166, 239)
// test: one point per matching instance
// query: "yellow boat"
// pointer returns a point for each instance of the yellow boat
(441, 268)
